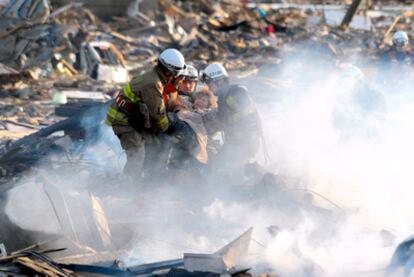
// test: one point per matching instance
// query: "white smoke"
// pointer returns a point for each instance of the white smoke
(356, 166)
(362, 164)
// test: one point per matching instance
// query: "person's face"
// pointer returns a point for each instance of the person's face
(401, 46)
(178, 80)
(187, 86)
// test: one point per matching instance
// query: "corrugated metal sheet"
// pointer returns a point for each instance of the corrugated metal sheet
(108, 8)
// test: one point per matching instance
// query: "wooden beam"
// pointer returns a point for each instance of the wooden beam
(350, 13)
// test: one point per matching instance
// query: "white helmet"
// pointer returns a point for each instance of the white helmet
(173, 60)
(190, 72)
(400, 38)
(214, 72)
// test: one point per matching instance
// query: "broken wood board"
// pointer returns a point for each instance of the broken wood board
(90, 95)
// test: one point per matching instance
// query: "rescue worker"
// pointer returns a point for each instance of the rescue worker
(190, 136)
(189, 82)
(186, 88)
(397, 62)
(139, 113)
(236, 117)
(359, 108)
(192, 99)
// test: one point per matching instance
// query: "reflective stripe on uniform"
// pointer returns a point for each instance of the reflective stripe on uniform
(230, 102)
(163, 122)
(116, 115)
(130, 95)
(108, 122)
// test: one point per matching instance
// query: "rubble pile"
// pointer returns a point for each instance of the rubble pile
(61, 66)
(47, 51)
(58, 62)
(67, 56)
(31, 263)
